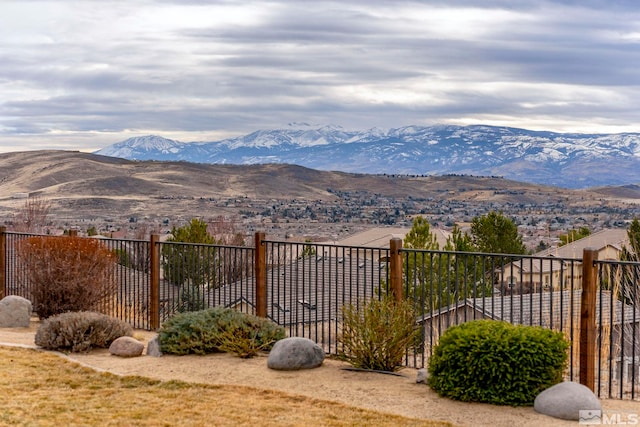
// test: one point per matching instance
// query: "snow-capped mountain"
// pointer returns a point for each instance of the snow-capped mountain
(559, 159)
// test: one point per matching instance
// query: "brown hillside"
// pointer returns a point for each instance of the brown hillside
(85, 184)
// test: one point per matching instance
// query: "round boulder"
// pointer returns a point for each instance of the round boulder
(565, 401)
(290, 354)
(15, 312)
(126, 347)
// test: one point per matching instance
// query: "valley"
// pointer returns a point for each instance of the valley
(131, 199)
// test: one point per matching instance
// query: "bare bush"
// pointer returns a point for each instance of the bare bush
(66, 273)
(34, 216)
(80, 331)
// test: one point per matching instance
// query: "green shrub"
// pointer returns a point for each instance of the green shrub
(218, 330)
(497, 362)
(377, 334)
(80, 331)
(66, 273)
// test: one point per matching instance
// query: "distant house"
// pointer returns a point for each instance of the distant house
(559, 268)
(308, 290)
(380, 237)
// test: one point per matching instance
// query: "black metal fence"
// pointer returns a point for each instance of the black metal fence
(617, 323)
(307, 284)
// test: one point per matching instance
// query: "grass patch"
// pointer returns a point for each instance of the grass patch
(45, 390)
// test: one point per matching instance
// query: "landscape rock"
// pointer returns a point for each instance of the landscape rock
(15, 312)
(422, 376)
(295, 353)
(126, 347)
(153, 347)
(565, 400)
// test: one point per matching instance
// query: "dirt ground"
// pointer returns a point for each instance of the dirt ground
(398, 394)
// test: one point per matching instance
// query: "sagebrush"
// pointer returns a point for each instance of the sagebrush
(218, 330)
(66, 273)
(80, 331)
(496, 362)
(377, 334)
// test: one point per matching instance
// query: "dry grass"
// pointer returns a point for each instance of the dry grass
(46, 390)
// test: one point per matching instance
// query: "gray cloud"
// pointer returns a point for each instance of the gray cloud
(91, 73)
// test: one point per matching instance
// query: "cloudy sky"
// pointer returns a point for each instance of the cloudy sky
(85, 74)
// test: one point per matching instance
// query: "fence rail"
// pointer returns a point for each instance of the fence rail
(304, 286)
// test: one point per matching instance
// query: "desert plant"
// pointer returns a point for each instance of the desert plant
(80, 331)
(497, 362)
(218, 329)
(66, 273)
(377, 334)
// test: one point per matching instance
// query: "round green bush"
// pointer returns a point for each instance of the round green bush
(497, 362)
(218, 330)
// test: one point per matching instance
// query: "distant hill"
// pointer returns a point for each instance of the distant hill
(631, 191)
(89, 184)
(557, 159)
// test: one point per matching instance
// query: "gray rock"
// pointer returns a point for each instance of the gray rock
(422, 376)
(15, 312)
(153, 347)
(126, 347)
(295, 353)
(566, 400)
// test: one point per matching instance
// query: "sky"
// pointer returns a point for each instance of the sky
(81, 75)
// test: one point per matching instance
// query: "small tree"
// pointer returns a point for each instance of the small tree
(573, 235)
(34, 216)
(495, 233)
(191, 267)
(628, 288)
(66, 273)
(188, 264)
(459, 241)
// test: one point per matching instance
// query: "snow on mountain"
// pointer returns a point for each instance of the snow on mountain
(564, 160)
(143, 148)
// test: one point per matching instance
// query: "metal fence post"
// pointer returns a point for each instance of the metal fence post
(588, 319)
(396, 268)
(154, 282)
(3, 261)
(260, 274)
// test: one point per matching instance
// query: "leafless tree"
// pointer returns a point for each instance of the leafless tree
(33, 217)
(225, 232)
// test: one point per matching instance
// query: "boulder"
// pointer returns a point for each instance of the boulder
(153, 347)
(422, 375)
(126, 347)
(565, 401)
(15, 312)
(295, 353)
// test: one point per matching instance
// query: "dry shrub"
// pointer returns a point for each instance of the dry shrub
(66, 273)
(377, 334)
(80, 331)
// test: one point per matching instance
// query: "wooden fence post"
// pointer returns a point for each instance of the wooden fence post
(588, 319)
(3, 261)
(260, 274)
(154, 282)
(395, 268)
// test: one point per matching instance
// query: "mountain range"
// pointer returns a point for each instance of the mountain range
(568, 160)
